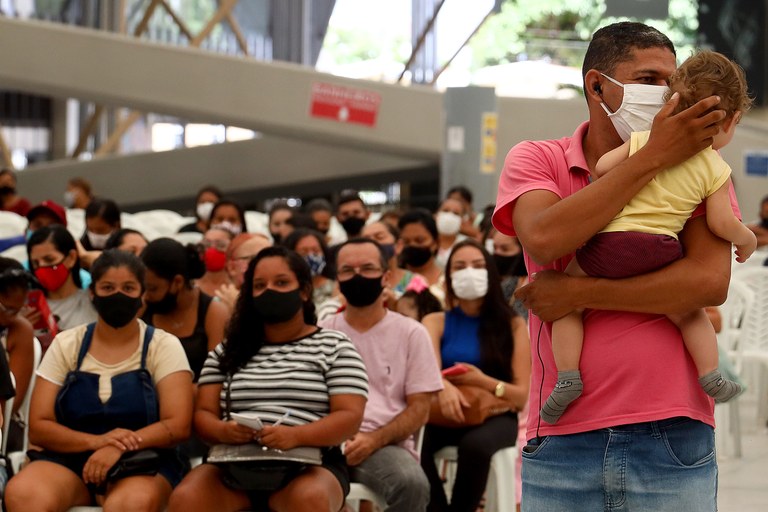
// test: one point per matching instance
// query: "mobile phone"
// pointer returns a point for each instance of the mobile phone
(248, 420)
(453, 371)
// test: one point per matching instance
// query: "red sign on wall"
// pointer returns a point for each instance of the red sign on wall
(344, 104)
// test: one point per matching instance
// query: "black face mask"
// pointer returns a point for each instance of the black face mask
(164, 305)
(353, 225)
(361, 291)
(414, 256)
(117, 309)
(764, 223)
(277, 307)
(276, 238)
(7, 191)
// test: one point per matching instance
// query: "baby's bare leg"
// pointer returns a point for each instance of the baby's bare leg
(567, 340)
(701, 342)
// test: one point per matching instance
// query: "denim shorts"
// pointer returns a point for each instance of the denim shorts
(659, 466)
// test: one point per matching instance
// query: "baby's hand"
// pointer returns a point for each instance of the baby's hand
(744, 251)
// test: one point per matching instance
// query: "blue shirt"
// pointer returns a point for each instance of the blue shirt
(460, 342)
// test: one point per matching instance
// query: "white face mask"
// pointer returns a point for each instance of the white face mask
(233, 229)
(470, 283)
(639, 106)
(69, 199)
(448, 223)
(97, 241)
(204, 211)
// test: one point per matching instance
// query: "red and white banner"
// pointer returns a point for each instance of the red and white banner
(344, 104)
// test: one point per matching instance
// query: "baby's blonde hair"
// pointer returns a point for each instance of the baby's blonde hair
(707, 73)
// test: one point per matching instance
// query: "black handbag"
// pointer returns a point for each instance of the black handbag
(252, 467)
(142, 462)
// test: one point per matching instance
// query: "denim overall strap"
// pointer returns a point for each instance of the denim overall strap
(85, 345)
(148, 334)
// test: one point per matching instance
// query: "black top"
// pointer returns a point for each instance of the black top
(196, 344)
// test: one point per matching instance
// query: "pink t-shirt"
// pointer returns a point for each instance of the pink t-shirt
(634, 366)
(400, 361)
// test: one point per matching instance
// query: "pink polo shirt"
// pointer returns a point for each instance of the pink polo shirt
(634, 366)
(400, 361)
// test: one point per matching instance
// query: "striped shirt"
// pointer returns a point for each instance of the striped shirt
(298, 376)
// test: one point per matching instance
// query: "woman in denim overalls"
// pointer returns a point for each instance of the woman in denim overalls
(107, 390)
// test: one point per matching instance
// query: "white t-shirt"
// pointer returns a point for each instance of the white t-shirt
(77, 309)
(164, 357)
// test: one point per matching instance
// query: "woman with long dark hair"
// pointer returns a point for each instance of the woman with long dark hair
(307, 385)
(480, 332)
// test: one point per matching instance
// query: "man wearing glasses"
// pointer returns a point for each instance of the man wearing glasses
(403, 376)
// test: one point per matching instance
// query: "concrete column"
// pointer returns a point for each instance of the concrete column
(469, 155)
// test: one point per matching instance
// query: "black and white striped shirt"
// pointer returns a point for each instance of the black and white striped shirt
(299, 376)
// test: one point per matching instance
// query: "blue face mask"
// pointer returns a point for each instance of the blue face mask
(316, 263)
(28, 233)
(388, 250)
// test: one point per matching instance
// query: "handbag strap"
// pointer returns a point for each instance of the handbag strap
(228, 397)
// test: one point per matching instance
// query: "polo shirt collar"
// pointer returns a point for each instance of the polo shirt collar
(574, 154)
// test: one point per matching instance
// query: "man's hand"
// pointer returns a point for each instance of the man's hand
(676, 138)
(360, 447)
(547, 295)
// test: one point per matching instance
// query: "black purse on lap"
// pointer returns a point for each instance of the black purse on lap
(252, 467)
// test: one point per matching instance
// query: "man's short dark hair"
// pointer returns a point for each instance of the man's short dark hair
(318, 204)
(348, 196)
(613, 44)
(362, 241)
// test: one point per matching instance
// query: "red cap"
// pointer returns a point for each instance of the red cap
(51, 207)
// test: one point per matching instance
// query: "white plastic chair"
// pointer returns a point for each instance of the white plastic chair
(753, 339)
(500, 488)
(17, 458)
(12, 224)
(359, 492)
(740, 299)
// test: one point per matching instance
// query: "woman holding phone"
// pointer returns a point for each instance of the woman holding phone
(307, 386)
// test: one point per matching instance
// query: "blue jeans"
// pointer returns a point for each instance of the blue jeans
(658, 466)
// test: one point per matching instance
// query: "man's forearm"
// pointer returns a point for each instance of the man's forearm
(405, 424)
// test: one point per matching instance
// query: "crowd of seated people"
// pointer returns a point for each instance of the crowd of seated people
(332, 323)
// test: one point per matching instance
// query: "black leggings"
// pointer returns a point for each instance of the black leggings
(476, 446)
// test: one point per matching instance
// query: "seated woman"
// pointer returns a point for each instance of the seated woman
(175, 306)
(54, 260)
(280, 365)
(481, 332)
(310, 245)
(417, 247)
(105, 390)
(215, 244)
(127, 239)
(206, 199)
(16, 336)
(102, 218)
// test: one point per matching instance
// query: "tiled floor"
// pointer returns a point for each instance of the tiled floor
(743, 482)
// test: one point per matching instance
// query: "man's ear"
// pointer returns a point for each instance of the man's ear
(593, 85)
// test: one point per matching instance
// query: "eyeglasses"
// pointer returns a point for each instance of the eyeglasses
(221, 245)
(369, 270)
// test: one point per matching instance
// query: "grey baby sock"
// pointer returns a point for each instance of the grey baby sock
(567, 389)
(719, 388)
